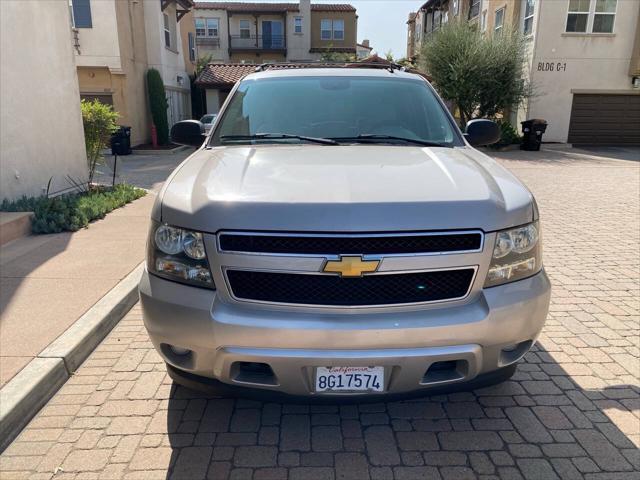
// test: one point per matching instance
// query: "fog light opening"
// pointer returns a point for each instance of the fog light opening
(178, 356)
(179, 350)
(446, 371)
(512, 353)
(254, 373)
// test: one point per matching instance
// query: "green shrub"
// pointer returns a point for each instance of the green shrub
(74, 211)
(99, 121)
(508, 135)
(158, 104)
(481, 74)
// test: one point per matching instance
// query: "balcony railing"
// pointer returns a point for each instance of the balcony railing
(258, 42)
(209, 41)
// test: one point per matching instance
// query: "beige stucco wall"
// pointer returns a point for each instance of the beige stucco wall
(213, 100)
(257, 58)
(169, 62)
(220, 52)
(133, 53)
(41, 133)
(299, 44)
(511, 13)
(187, 26)
(99, 44)
(350, 30)
(594, 63)
(123, 72)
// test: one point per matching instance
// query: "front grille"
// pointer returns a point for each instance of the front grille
(346, 245)
(332, 290)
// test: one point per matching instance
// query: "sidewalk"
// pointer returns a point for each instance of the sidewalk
(48, 281)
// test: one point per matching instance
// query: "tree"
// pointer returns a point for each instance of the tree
(482, 75)
(198, 101)
(158, 104)
(99, 121)
(331, 56)
(202, 62)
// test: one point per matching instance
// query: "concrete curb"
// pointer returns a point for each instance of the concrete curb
(25, 394)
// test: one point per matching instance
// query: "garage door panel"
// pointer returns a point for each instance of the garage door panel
(605, 119)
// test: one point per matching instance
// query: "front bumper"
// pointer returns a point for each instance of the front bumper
(221, 333)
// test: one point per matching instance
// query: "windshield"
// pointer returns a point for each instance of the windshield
(345, 109)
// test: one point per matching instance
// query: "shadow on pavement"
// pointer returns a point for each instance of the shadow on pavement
(539, 424)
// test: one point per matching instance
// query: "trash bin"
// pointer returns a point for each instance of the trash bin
(121, 141)
(532, 134)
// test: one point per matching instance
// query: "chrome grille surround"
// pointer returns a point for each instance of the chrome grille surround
(311, 264)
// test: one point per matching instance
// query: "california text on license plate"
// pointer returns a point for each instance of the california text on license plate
(349, 379)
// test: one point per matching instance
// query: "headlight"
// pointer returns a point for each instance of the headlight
(179, 255)
(517, 254)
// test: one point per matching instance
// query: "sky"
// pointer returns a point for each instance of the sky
(383, 22)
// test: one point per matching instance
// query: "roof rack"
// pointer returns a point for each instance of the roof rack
(391, 67)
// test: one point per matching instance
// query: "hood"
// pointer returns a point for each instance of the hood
(358, 188)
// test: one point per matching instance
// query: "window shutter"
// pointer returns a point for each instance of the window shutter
(82, 13)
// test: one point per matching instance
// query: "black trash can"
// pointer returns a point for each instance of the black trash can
(532, 131)
(121, 141)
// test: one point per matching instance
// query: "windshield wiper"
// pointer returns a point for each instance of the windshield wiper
(374, 137)
(276, 136)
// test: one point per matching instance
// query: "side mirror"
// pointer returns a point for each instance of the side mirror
(482, 132)
(188, 132)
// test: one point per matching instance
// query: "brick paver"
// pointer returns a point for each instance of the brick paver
(571, 411)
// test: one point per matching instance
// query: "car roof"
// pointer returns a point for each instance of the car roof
(333, 72)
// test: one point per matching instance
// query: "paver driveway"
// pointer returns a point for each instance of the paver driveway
(572, 410)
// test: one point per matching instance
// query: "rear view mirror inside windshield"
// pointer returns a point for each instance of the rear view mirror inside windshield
(335, 83)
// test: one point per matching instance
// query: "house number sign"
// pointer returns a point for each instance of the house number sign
(552, 66)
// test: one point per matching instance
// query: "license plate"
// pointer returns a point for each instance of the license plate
(349, 379)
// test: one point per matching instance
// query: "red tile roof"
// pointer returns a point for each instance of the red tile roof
(272, 7)
(223, 74)
(335, 7)
(217, 75)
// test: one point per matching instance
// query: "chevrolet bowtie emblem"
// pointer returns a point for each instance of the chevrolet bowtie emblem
(351, 266)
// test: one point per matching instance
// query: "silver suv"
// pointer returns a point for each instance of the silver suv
(336, 234)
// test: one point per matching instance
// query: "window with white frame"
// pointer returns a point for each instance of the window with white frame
(529, 10)
(297, 25)
(325, 29)
(192, 46)
(245, 29)
(201, 30)
(437, 19)
(498, 21)
(213, 25)
(604, 16)
(167, 31)
(332, 29)
(80, 11)
(338, 29)
(474, 8)
(483, 21)
(591, 16)
(578, 15)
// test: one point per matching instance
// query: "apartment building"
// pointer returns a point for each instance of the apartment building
(432, 15)
(582, 60)
(584, 64)
(42, 138)
(117, 41)
(254, 33)
(488, 15)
